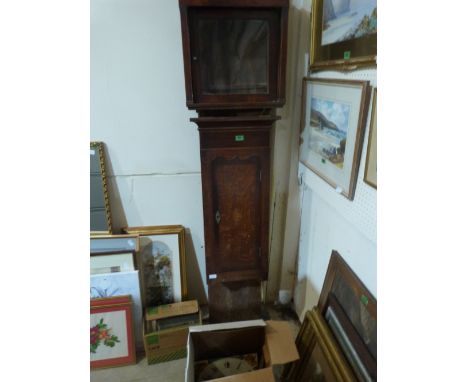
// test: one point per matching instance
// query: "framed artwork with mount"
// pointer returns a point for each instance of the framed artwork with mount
(343, 34)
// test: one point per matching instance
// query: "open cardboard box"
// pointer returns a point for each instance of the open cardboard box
(272, 339)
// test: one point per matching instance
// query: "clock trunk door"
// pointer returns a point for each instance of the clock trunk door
(234, 193)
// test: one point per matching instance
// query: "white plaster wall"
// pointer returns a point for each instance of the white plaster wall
(138, 111)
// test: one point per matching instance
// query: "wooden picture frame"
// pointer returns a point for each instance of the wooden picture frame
(321, 358)
(370, 173)
(343, 39)
(162, 263)
(355, 309)
(113, 244)
(112, 340)
(100, 213)
(334, 116)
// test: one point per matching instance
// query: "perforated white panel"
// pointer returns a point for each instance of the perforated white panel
(362, 211)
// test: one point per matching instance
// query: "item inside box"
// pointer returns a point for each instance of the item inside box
(172, 322)
(207, 370)
(227, 352)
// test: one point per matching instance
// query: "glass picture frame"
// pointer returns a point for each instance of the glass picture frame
(334, 115)
(162, 263)
(343, 34)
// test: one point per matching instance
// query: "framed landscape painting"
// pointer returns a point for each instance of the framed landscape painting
(334, 115)
(343, 34)
(162, 263)
(111, 328)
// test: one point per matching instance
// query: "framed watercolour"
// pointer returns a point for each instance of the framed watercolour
(162, 263)
(334, 114)
(111, 326)
(118, 284)
(321, 358)
(370, 174)
(343, 34)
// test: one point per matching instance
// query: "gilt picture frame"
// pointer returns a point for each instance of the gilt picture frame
(321, 358)
(370, 173)
(334, 115)
(162, 263)
(112, 338)
(343, 34)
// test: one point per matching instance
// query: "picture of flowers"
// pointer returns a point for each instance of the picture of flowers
(329, 127)
(101, 334)
(111, 332)
(345, 20)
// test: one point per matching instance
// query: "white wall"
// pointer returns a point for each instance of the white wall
(138, 111)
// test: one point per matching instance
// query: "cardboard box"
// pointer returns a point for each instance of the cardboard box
(272, 340)
(165, 330)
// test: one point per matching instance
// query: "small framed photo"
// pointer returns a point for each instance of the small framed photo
(162, 263)
(343, 34)
(334, 115)
(370, 174)
(111, 326)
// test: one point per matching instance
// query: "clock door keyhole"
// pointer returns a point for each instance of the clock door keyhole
(218, 217)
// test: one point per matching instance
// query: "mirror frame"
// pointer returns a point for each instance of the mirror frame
(99, 146)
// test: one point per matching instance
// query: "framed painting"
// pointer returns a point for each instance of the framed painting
(321, 358)
(334, 114)
(343, 34)
(350, 310)
(110, 262)
(114, 244)
(162, 263)
(118, 284)
(111, 326)
(370, 174)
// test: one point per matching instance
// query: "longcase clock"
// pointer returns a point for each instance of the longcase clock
(234, 62)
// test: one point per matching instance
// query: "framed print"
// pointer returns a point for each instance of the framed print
(118, 284)
(321, 358)
(114, 244)
(334, 115)
(370, 174)
(162, 263)
(112, 338)
(110, 263)
(343, 34)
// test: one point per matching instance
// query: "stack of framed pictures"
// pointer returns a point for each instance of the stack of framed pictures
(338, 338)
(114, 273)
(111, 327)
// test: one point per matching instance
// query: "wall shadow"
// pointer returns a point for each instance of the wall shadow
(195, 287)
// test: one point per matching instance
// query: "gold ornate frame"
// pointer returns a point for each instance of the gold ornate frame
(167, 230)
(362, 51)
(316, 344)
(99, 146)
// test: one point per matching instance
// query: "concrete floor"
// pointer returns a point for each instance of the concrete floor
(174, 371)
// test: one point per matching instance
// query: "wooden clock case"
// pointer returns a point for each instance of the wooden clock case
(234, 62)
